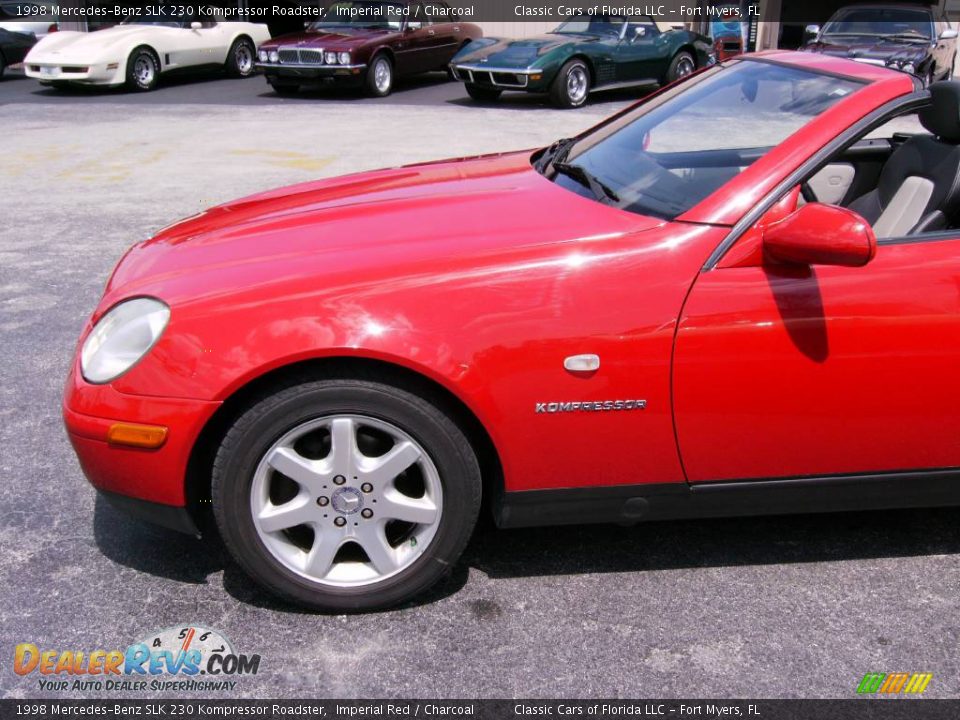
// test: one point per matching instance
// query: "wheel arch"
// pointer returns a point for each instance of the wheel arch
(688, 48)
(200, 462)
(586, 61)
(242, 36)
(158, 56)
(386, 50)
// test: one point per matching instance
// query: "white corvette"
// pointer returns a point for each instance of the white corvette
(136, 53)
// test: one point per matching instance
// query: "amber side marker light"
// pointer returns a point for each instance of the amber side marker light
(133, 435)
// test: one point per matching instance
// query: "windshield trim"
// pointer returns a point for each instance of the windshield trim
(598, 134)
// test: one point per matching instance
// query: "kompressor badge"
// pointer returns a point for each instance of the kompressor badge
(590, 406)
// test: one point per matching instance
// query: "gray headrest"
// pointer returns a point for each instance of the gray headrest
(942, 117)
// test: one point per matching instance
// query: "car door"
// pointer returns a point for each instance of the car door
(641, 53)
(444, 35)
(416, 43)
(792, 371)
(195, 42)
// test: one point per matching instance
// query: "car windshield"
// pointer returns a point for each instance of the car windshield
(663, 159)
(881, 22)
(593, 25)
(387, 15)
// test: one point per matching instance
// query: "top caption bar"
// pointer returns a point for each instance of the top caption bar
(668, 11)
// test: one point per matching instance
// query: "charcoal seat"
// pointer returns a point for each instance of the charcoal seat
(919, 187)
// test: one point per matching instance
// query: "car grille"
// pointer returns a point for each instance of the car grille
(492, 78)
(298, 56)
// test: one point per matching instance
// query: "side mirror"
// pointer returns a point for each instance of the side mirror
(949, 34)
(819, 234)
(196, 25)
(811, 31)
(638, 32)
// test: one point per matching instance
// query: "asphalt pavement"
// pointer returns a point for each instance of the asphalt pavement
(757, 607)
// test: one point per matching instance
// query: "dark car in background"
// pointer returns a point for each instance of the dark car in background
(13, 48)
(582, 55)
(367, 44)
(912, 38)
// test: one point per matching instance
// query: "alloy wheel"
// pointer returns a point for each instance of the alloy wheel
(244, 59)
(577, 84)
(382, 75)
(685, 67)
(346, 500)
(144, 70)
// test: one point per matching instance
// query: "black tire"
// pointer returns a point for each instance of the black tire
(683, 64)
(571, 87)
(242, 58)
(3, 66)
(380, 62)
(260, 427)
(483, 94)
(143, 70)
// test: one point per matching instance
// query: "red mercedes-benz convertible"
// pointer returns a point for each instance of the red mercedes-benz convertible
(656, 319)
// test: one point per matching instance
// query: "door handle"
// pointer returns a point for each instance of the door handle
(431, 32)
(456, 28)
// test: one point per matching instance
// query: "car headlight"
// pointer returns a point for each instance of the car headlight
(274, 56)
(121, 337)
(909, 68)
(344, 58)
(330, 58)
(263, 55)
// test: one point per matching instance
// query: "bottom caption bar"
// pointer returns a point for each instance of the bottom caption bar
(494, 709)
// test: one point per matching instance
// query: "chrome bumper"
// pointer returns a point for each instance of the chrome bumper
(468, 73)
(311, 66)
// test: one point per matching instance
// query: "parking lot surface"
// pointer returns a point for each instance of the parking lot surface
(772, 607)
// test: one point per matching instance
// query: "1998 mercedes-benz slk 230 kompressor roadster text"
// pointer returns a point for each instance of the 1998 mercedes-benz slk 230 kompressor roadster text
(646, 321)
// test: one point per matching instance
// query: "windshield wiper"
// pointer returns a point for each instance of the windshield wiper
(555, 153)
(907, 36)
(600, 191)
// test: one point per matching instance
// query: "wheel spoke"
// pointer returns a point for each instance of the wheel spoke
(298, 511)
(382, 556)
(386, 468)
(397, 506)
(343, 450)
(320, 558)
(296, 467)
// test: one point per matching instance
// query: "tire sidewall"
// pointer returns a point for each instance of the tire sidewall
(233, 66)
(675, 64)
(371, 76)
(132, 81)
(560, 94)
(266, 422)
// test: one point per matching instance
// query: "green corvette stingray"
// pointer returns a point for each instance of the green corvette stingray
(582, 55)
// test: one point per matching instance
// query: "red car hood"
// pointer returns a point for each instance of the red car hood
(334, 39)
(367, 227)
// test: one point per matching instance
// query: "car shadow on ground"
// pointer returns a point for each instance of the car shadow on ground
(530, 101)
(574, 550)
(353, 94)
(167, 83)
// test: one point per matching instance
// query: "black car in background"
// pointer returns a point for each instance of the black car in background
(912, 38)
(14, 47)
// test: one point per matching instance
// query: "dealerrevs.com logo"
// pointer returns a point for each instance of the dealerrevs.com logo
(185, 658)
(894, 683)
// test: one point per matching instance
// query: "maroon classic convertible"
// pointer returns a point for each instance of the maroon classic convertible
(367, 43)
